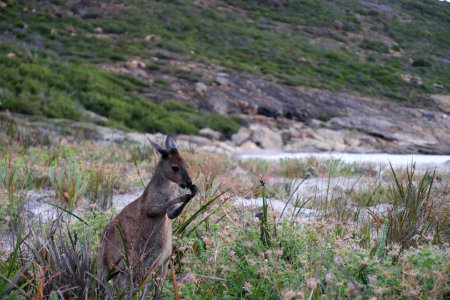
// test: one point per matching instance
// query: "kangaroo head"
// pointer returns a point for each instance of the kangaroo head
(171, 165)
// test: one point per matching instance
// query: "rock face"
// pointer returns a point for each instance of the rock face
(443, 101)
(348, 122)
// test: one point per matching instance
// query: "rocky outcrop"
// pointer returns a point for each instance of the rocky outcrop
(348, 122)
(442, 101)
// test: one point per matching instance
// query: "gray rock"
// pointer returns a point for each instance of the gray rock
(136, 64)
(188, 140)
(210, 134)
(138, 138)
(289, 133)
(241, 136)
(201, 88)
(249, 146)
(265, 138)
(443, 101)
(222, 79)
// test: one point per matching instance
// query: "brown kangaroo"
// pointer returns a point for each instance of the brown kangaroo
(144, 226)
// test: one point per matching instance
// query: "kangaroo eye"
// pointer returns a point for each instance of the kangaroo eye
(175, 168)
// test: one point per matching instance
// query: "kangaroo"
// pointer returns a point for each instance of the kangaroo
(144, 226)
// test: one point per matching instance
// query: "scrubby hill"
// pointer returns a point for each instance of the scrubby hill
(56, 56)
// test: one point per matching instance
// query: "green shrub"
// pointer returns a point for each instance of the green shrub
(57, 90)
(377, 46)
(421, 62)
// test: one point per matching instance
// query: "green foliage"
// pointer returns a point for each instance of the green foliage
(53, 89)
(325, 117)
(374, 46)
(421, 62)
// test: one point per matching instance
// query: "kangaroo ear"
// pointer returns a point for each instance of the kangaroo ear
(158, 149)
(171, 142)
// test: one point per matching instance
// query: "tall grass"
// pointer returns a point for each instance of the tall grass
(14, 177)
(411, 216)
(68, 181)
(100, 189)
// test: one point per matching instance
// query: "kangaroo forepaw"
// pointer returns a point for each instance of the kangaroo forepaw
(194, 189)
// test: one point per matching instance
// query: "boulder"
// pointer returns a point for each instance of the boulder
(288, 134)
(411, 79)
(150, 38)
(265, 138)
(241, 136)
(188, 140)
(210, 134)
(138, 138)
(249, 146)
(135, 64)
(443, 101)
(338, 25)
(222, 79)
(201, 88)
(98, 30)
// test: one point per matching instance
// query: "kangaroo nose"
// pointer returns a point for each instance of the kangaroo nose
(189, 183)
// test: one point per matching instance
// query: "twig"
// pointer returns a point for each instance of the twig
(174, 280)
(139, 173)
(211, 277)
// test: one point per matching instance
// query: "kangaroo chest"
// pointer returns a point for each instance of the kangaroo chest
(155, 242)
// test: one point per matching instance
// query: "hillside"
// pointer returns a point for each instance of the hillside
(305, 164)
(118, 59)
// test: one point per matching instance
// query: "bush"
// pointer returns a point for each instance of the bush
(377, 46)
(411, 218)
(421, 62)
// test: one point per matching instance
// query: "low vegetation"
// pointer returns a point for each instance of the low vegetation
(349, 248)
(44, 85)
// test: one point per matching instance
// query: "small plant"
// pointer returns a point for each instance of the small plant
(68, 182)
(14, 178)
(264, 226)
(410, 217)
(67, 260)
(100, 189)
(325, 117)
(380, 249)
